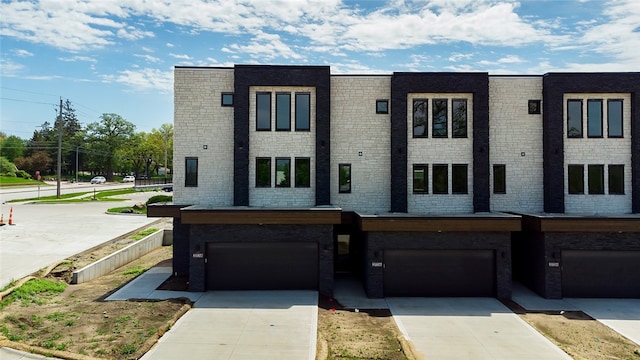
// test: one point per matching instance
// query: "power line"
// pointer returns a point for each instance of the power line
(27, 101)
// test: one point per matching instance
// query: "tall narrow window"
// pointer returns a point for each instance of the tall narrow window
(594, 118)
(440, 179)
(576, 179)
(439, 121)
(263, 111)
(499, 179)
(420, 175)
(616, 179)
(283, 172)
(596, 179)
(459, 118)
(303, 172)
(459, 183)
(344, 178)
(303, 111)
(191, 172)
(614, 118)
(263, 172)
(283, 111)
(574, 118)
(420, 118)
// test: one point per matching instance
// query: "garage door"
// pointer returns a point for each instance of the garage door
(439, 273)
(594, 273)
(262, 266)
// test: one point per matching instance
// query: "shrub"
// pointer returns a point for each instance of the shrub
(7, 167)
(23, 174)
(159, 199)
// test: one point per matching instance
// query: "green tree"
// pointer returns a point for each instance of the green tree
(12, 147)
(139, 153)
(107, 137)
(162, 139)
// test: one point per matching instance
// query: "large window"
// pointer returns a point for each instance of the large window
(420, 176)
(574, 118)
(303, 172)
(344, 178)
(614, 118)
(283, 111)
(191, 172)
(263, 172)
(459, 184)
(263, 111)
(499, 179)
(303, 111)
(576, 179)
(594, 118)
(283, 172)
(440, 179)
(439, 117)
(616, 179)
(420, 118)
(596, 179)
(459, 118)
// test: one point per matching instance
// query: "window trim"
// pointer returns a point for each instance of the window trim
(466, 119)
(609, 182)
(446, 179)
(308, 95)
(340, 167)
(258, 94)
(297, 184)
(503, 179)
(446, 118)
(188, 183)
(592, 101)
(382, 102)
(288, 127)
(621, 101)
(454, 189)
(601, 178)
(226, 95)
(581, 179)
(257, 173)
(425, 169)
(425, 101)
(581, 135)
(287, 175)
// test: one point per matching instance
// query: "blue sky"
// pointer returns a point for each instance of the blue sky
(117, 56)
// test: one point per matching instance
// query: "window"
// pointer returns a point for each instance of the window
(440, 179)
(439, 109)
(191, 172)
(420, 118)
(382, 106)
(263, 172)
(616, 179)
(420, 175)
(499, 179)
(596, 179)
(459, 179)
(576, 179)
(594, 118)
(303, 172)
(227, 99)
(344, 178)
(263, 111)
(534, 107)
(283, 172)
(614, 118)
(283, 111)
(303, 111)
(459, 118)
(574, 118)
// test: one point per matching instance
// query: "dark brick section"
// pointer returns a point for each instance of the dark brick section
(320, 234)
(405, 83)
(555, 85)
(246, 76)
(180, 248)
(377, 242)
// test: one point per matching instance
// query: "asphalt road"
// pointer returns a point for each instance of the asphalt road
(46, 233)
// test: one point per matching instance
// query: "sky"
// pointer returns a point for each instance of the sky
(118, 56)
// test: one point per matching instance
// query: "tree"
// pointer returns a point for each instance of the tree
(12, 147)
(108, 136)
(162, 138)
(139, 154)
(36, 162)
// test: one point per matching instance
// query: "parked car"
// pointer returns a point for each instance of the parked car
(129, 178)
(98, 180)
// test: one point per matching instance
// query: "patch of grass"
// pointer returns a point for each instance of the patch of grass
(18, 181)
(119, 210)
(144, 233)
(34, 291)
(128, 349)
(159, 199)
(137, 270)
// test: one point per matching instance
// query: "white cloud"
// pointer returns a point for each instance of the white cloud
(181, 56)
(22, 53)
(131, 33)
(9, 68)
(77, 58)
(169, 45)
(148, 58)
(143, 79)
(457, 57)
(510, 59)
(266, 47)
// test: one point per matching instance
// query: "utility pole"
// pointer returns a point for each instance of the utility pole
(59, 150)
(166, 145)
(77, 147)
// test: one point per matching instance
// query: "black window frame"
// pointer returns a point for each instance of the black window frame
(308, 110)
(455, 131)
(579, 185)
(258, 176)
(258, 96)
(224, 99)
(436, 172)
(499, 179)
(569, 119)
(279, 104)
(287, 174)
(592, 176)
(425, 171)
(612, 181)
(415, 103)
(346, 180)
(534, 107)
(590, 118)
(307, 173)
(609, 101)
(434, 133)
(190, 180)
(459, 179)
(382, 106)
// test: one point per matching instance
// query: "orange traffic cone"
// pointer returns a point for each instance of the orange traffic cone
(2, 220)
(11, 216)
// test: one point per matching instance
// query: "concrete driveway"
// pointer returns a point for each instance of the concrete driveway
(244, 325)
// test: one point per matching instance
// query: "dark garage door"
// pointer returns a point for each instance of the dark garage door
(439, 273)
(600, 273)
(262, 266)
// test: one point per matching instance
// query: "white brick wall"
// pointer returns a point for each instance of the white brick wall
(357, 129)
(515, 140)
(199, 120)
(598, 151)
(287, 144)
(439, 151)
